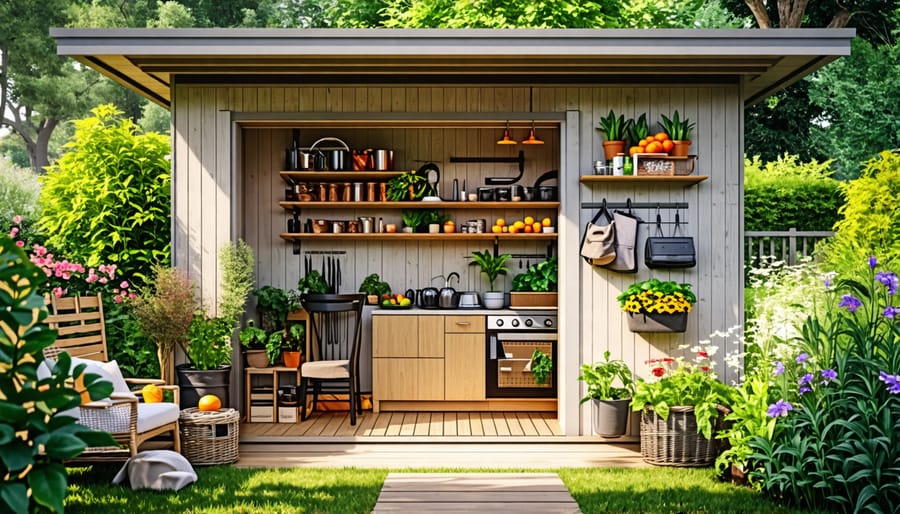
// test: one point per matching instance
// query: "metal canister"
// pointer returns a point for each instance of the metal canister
(619, 165)
(357, 192)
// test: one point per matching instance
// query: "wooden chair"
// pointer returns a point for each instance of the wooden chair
(336, 321)
(82, 333)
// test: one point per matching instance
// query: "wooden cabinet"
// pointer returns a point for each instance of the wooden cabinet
(464, 356)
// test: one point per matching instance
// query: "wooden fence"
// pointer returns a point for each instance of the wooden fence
(786, 245)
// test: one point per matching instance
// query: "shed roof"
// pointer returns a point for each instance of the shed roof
(149, 60)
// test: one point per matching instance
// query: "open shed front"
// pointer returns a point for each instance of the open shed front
(239, 98)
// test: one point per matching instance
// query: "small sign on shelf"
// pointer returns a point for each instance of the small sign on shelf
(663, 165)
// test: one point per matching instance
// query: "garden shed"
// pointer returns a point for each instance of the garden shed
(241, 97)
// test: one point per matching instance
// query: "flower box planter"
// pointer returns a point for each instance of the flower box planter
(655, 322)
(675, 441)
(532, 299)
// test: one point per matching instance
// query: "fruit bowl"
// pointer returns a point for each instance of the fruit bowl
(389, 306)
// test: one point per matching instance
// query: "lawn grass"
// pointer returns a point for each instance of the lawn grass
(223, 489)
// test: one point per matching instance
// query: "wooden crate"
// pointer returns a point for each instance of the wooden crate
(531, 299)
(662, 165)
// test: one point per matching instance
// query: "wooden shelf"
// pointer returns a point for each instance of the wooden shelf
(421, 205)
(337, 176)
(403, 236)
(656, 179)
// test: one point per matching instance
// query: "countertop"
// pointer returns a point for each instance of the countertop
(416, 311)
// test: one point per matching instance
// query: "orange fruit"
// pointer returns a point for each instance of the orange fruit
(536, 226)
(450, 228)
(634, 149)
(643, 142)
(209, 402)
(152, 394)
(654, 147)
(513, 229)
(661, 136)
(500, 222)
(668, 145)
(527, 229)
(547, 222)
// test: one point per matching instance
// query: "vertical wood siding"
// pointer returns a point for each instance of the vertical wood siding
(214, 203)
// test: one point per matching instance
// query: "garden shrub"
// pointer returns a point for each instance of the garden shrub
(108, 197)
(19, 190)
(870, 219)
(785, 194)
(836, 442)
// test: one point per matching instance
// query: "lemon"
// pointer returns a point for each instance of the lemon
(547, 222)
(500, 222)
(529, 220)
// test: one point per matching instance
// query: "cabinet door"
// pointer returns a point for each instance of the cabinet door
(430, 380)
(394, 379)
(464, 356)
(431, 337)
(395, 336)
(464, 324)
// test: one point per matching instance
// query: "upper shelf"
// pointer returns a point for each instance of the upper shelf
(422, 205)
(403, 236)
(337, 176)
(659, 179)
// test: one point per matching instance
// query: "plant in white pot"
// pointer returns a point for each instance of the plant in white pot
(492, 266)
(611, 402)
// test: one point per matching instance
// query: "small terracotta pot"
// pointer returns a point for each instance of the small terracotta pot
(291, 359)
(612, 148)
(681, 148)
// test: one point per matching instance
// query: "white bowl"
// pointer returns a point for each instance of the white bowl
(549, 230)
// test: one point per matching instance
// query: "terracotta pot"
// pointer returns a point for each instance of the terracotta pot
(611, 148)
(653, 322)
(256, 358)
(291, 359)
(681, 148)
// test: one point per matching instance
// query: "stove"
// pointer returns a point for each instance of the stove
(511, 341)
(522, 322)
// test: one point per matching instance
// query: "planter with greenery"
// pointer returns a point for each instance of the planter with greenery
(292, 345)
(263, 348)
(374, 288)
(680, 132)
(541, 367)
(610, 401)
(615, 128)
(537, 287)
(314, 283)
(492, 266)
(273, 305)
(407, 187)
(657, 306)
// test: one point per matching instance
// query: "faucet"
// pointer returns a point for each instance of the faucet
(450, 277)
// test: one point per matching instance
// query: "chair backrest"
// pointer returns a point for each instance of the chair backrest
(82, 330)
(336, 321)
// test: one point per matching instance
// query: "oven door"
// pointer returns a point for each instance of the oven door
(508, 364)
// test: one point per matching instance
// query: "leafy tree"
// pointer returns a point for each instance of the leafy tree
(107, 200)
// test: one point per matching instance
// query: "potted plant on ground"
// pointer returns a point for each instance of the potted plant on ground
(374, 288)
(537, 287)
(610, 401)
(615, 128)
(492, 266)
(657, 306)
(679, 132)
(682, 407)
(292, 345)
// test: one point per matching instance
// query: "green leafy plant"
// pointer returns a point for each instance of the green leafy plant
(678, 382)
(414, 218)
(34, 441)
(638, 129)
(373, 285)
(313, 282)
(540, 277)
(600, 376)
(676, 128)
(273, 305)
(491, 265)
(541, 366)
(614, 127)
(408, 186)
(252, 336)
(657, 296)
(294, 338)
(107, 198)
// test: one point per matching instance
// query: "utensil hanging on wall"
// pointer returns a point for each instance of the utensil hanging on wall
(497, 181)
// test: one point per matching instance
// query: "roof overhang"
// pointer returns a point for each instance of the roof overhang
(149, 61)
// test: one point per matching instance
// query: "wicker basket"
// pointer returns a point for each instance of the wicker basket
(209, 438)
(675, 441)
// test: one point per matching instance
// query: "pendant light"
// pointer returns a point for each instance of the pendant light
(532, 140)
(506, 140)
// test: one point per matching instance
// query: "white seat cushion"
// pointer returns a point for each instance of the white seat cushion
(153, 415)
(326, 369)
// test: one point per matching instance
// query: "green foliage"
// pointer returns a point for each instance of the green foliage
(415, 218)
(135, 353)
(491, 265)
(784, 193)
(107, 200)
(676, 128)
(209, 342)
(172, 15)
(746, 421)
(398, 188)
(600, 376)
(34, 442)
(870, 218)
(373, 285)
(252, 336)
(860, 112)
(614, 127)
(637, 129)
(313, 282)
(19, 190)
(294, 337)
(237, 263)
(657, 292)
(276, 302)
(541, 277)
(541, 366)
(498, 14)
(837, 447)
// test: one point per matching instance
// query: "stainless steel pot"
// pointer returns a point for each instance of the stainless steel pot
(469, 300)
(339, 160)
(381, 160)
(449, 297)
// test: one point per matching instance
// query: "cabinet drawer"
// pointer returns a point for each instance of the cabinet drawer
(464, 324)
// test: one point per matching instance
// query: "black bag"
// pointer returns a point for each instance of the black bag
(669, 252)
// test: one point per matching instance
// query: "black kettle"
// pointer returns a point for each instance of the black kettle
(449, 297)
(428, 297)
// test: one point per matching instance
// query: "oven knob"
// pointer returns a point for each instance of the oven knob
(499, 322)
(515, 323)
(548, 322)
(529, 322)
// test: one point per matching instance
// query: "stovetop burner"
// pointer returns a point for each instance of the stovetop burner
(513, 322)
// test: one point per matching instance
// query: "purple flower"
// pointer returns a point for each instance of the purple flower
(827, 282)
(892, 381)
(805, 379)
(872, 262)
(889, 280)
(779, 368)
(805, 389)
(850, 303)
(891, 312)
(802, 358)
(829, 374)
(779, 408)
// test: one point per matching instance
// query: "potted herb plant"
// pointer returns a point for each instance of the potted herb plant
(273, 305)
(615, 128)
(492, 266)
(679, 132)
(610, 401)
(292, 345)
(657, 306)
(537, 287)
(374, 288)
(407, 187)
(681, 406)
(254, 339)
(313, 283)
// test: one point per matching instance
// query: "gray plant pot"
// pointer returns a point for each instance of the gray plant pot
(611, 417)
(195, 383)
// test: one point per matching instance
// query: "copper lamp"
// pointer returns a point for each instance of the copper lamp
(532, 140)
(506, 139)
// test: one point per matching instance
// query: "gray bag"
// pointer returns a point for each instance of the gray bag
(626, 241)
(598, 244)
